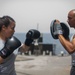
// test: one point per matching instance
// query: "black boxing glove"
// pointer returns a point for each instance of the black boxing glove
(10, 45)
(31, 35)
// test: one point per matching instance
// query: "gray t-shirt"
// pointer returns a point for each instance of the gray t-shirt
(8, 66)
(73, 54)
(73, 59)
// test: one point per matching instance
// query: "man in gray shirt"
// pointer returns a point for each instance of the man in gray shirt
(66, 43)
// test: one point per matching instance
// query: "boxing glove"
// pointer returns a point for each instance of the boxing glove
(10, 45)
(31, 35)
(59, 28)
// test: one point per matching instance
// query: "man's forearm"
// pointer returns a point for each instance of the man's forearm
(66, 44)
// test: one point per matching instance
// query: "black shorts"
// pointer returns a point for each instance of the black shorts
(72, 72)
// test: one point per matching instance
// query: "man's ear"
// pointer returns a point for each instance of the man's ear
(3, 27)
